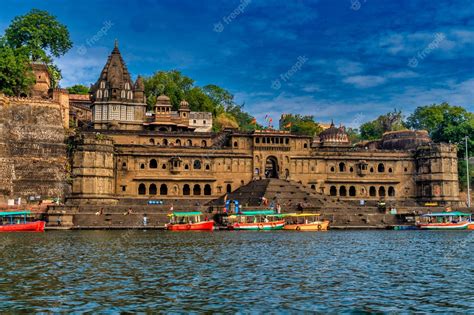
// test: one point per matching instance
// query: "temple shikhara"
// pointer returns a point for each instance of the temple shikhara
(124, 154)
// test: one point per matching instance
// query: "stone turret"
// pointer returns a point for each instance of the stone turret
(43, 80)
(184, 110)
(116, 100)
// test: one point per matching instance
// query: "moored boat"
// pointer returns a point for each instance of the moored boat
(255, 220)
(446, 221)
(305, 222)
(20, 221)
(189, 221)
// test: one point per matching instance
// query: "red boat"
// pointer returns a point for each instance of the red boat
(19, 221)
(188, 221)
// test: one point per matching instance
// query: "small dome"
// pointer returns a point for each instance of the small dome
(162, 98)
(183, 103)
(334, 134)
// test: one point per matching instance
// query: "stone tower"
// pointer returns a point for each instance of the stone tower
(117, 102)
(42, 80)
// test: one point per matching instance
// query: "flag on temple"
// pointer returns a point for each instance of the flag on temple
(254, 121)
(288, 125)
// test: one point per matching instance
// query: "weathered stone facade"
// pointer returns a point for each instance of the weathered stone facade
(33, 158)
(163, 158)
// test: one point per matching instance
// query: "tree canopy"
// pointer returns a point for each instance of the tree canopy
(374, 129)
(34, 37)
(299, 124)
(210, 98)
(78, 89)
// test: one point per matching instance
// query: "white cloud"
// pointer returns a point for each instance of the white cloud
(311, 88)
(365, 81)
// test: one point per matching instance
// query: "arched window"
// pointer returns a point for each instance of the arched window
(142, 189)
(163, 166)
(152, 190)
(391, 191)
(197, 165)
(381, 168)
(342, 167)
(371, 169)
(203, 143)
(305, 145)
(153, 163)
(351, 169)
(382, 191)
(165, 141)
(106, 93)
(124, 165)
(208, 167)
(142, 166)
(313, 187)
(333, 191)
(122, 94)
(127, 86)
(236, 144)
(152, 141)
(342, 191)
(390, 170)
(102, 84)
(257, 140)
(130, 95)
(352, 191)
(178, 142)
(207, 190)
(99, 94)
(229, 188)
(372, 191)
(189, 143)
(186, 166)
(332, 169)
(287, 141)
(197, 190)
(186, 190)
(163, 189)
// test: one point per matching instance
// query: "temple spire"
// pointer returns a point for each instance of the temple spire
(116, 43)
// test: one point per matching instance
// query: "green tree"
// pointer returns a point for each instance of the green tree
(16, 76)
(40, 33)
(450, 124)
(374, 129)
(78, 89)
(299, 124)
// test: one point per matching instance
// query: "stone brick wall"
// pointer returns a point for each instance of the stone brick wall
(32, 148)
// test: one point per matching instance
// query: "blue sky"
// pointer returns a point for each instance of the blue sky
(347, 60)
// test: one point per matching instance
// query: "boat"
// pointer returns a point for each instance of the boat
(450, 220)
(189, 221)
(254, 220)
(20, 221)
(305, 222)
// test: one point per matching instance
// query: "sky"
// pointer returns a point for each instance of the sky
(342, 60)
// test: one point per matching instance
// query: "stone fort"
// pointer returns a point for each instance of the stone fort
(122, 154)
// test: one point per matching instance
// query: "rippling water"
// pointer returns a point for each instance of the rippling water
(351, 271)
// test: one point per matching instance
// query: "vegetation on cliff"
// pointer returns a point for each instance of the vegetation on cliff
(34, 37)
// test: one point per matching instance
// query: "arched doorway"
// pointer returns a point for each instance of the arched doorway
(271, 167)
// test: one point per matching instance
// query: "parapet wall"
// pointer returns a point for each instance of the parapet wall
(32, 149)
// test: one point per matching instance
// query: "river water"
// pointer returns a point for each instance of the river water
(249, 272)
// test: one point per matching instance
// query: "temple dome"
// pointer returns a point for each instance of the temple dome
(334, 135)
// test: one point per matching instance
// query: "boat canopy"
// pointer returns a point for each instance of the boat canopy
(14, 213)
(447, 214)
(301, 214)
(185, 214)
(256, 212)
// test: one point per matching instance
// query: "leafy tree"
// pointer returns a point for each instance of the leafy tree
(353, 134)
(78, 89)
(373, 130)
(304, 125)
(16, 76)
(450, 124)
(210, 98)
(40, 33)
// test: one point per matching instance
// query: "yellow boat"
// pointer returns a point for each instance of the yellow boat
(305, 222)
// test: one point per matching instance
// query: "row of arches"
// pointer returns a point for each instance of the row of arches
(272, 140)
(186, 190)
(196, 165)
(177, 143)
(343, 168)
(351, 191)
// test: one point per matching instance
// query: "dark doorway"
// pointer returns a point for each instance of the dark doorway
(271, 167)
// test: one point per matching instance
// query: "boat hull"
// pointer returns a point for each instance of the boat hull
(263, 226)
(201, 226)
(37, 226)
(316, 226)
(445, 226)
